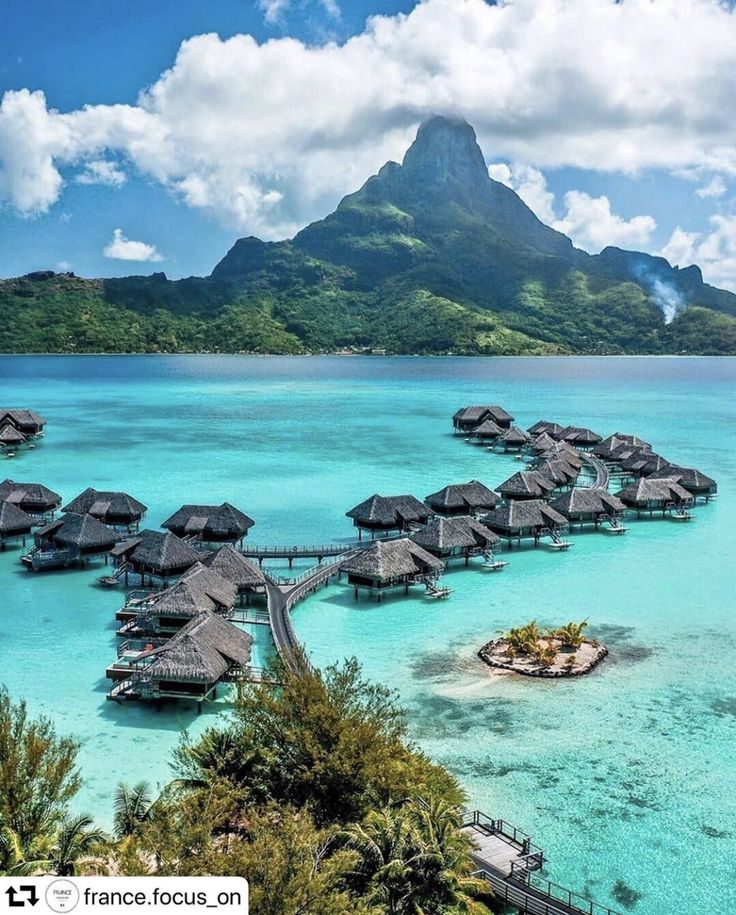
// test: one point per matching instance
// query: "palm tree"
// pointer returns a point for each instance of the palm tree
(571, 635)
(19, 861)
(132, 808)
(76, 842)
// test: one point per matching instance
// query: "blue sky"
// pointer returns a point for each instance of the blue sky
(138, 137)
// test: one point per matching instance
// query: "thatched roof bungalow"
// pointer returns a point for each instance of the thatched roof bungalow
(15, 524)
(522, 518)
(456, 538)
(11, 438)
(580, 437)
(381, 514)
(487, 431)
(69, 540)
(565, 452)
(206, 651)
(156, 555)
(694, 481)
(558, 471)
(210, 523)
(637, 464)
(390, 564)
(117, 509)
(34, 498)
(247, 577)
(588, 505)
(545, 428)
(606, 448)
(28, 422)
(650, 495)
(513, 439)
(542, 442)
(462, 499)
(526, 484)
(468, 418)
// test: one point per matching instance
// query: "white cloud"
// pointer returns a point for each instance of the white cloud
(714, 251)
(273, 10)
(268, 136)
(716, 187)
(588, 221)
(100, 171)
(125, 249)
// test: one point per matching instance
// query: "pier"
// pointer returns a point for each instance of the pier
(318, 552)
(508, 861)
(602, 474)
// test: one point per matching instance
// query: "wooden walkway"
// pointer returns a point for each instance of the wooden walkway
(602, 474)
(318, 552)
(508, 860)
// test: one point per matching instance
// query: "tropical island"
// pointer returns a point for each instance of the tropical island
(429, 257)
(561, 652)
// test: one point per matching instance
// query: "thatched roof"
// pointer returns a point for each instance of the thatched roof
(621, 452)
(564, 451)
(543, 442)
(23, 419)
(389, 511)
(579, 435)
(107, 505)
(210, 522)
(476, 414)
(202, 651)
(449, 533)
(33, 497)
(487, 429)
(526, 484)
(584, 500)
(387, 559)
(9, 435)
(233, 566)
(688, 477)
(514, 436)
(81, 531)
(612, 442)
(639, 460)
(164, 553)
(468, 496)
(655, 463)
(558, 470)
(543, 427)
(524, 513)
(14, 520)
(200, 588)
(653, 490)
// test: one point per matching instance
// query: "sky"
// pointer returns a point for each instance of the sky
(144, 137)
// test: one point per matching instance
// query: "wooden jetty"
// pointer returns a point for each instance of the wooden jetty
(508, 861)
(319, 552)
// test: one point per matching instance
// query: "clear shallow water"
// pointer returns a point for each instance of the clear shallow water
(626, 775)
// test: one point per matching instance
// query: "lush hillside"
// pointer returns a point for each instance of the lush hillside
(430, 256)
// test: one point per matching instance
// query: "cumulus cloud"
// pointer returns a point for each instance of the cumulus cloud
(100, 171)
(274, 10)
(716, 187)
(125, 249)
(714, 251)
(268, 136)
(588, 221)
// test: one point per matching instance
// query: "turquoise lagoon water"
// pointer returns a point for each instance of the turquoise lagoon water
(626, 777)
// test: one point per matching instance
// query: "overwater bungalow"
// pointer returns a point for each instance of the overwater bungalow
(462, 499)
(207, 651)
(558, 470)
(456, 538)
(35, 499)
(526, 518)
(580, 437)
(247, 577)
(695, 482)
(542, 442)
(650, 495)
(565, 452)
(11, 439)
(487, 431)
(637, 464)
(382, 514)
(210, 523)
(606, 448)
(152, 555)
(15, 524)
(116, 509)
(526, 484)
(513, 439)
(391, 564)
(26, 421)
(587, 505)
(163, 612)
(468, 418)
(68, 541)
(545, 428)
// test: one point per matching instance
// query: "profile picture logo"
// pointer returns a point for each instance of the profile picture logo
(62, 896)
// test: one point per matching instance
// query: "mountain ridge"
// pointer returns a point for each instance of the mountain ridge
(430, 255)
